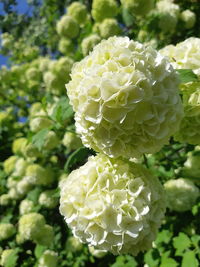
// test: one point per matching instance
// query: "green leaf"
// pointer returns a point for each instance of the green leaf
(11, 260)
(181, 243)
(163, 237)
(152, 258)
(39, 138)
(39, 251)
(187, 75)
(128, 18)
(189, 259)
(33, 195)
(62, 111)
(76, 157)
(168, 262)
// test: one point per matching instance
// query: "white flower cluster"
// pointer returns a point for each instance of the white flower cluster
(113, 205)
(125, 98)
(185, 55)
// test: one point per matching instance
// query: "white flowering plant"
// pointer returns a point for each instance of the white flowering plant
(99, 133)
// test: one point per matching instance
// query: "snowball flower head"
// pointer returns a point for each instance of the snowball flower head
(67, 26)
(78, 11)
(6, 230)
(109, 27)
(39, 123)
(5, 200)
(191, 166)
(185, 55)
(125, 98)
(190, 124)
(189, 18)
(113, 205)
(48, 199)
(102, 9)
(9, 164)
(38, 175)
(19, 145)
(89, 42)
(169, 13)
(71, 141)
(26, 206)
(138, 7)
(32, 227)
(181, 194)
(51, 141)
(48, 259)
(65, 46)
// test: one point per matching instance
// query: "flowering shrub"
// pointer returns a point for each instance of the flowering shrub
(125, 105)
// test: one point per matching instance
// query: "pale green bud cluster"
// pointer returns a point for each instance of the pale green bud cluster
(71, 141)
(189, 18)
(185, 55)
(57, 74)
(109, 27)
(102, 9)
(67, 26)
(9, 164)
(77, 11)
(19, 145)
(138, 7)
(89, 42)
(113, 205)
(181, 194)
(122, 107)
(26, 206)
(65, 46)
(20, 167)
(5, 200)
(189, 127)
(73, 244)
(191, 166)
(48, 200)
(51, 141)
(38, 175)
(38, 123)
(48, 259)
(32, 226)
(169, 14)
(7, 40)
(6, 231)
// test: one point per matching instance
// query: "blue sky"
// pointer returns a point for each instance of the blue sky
(22, 7)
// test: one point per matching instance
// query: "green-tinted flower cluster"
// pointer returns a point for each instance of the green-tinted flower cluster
(6, 231)
(102, 9)
(32, 226)
(185, 55)
(181, 194)
(138, 7)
